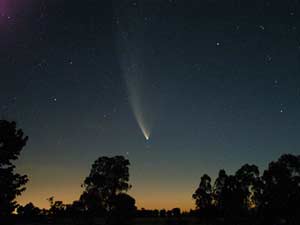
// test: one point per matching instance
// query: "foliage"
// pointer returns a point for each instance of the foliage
(57, 208)
(12, 141)
(104, 190)
(28, 211)
(271, 198)
(92, 202)
(281, 190)
(203, 195)
(123, 210)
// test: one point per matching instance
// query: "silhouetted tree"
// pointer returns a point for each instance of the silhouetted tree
(162, 213)
(76, 213)
(281, 192)
(77, 207)
(156, 213)
(218, 191)
(234, 194)
(203, 194)
(93, 203)
(29, 212)
(12, 141)
(151, 213)
(169, 213)
(57, 208)
(246, 196)
(176, 212)
(108, 179)
(123, 210)
(248, 180)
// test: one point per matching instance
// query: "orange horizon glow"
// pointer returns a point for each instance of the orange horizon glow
(147, 200)
(64, 184)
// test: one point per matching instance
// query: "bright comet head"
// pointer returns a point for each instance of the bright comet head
(145, 131)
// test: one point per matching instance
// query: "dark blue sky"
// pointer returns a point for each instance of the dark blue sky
(220, 82)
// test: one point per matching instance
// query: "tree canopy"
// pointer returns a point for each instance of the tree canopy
(12, 141)
(105, 187)
(272, 197)
(203, 195)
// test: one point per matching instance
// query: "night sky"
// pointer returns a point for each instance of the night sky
(212, 85)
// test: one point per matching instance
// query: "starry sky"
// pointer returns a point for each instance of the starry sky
(213, 84)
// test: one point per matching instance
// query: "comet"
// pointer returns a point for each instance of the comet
(136, 105)
(137, 102)
(130, 42)
(136, 89)
(144, 129)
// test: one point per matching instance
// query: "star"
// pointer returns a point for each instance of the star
(261, 27)
(283, 108)
(276, 83)
(53, 99)
(268, 58)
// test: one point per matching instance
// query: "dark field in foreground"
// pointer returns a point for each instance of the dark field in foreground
(138, 221)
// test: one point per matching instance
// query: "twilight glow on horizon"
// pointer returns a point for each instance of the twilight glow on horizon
(180, 88)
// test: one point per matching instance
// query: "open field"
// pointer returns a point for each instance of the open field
(166, 221)
(138, 221)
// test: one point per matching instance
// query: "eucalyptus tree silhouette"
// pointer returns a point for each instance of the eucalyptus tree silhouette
(248, 180)
(281, 190)
(246, 197)
(123, 210)
(203, 195)
(92, 203)
(12, 141)
(218, 190)
(105, 187)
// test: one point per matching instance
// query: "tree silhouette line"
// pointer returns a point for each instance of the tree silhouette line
(272, 198)
(246, 197)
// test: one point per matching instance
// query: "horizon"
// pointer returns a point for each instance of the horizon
(179, 88)
(185, 203)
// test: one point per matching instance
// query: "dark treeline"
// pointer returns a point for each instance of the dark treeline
(176, 212)
(245, 197)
